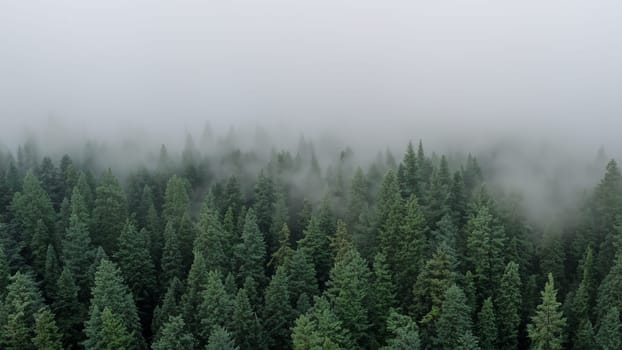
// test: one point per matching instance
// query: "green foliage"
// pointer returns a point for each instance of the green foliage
(277, 313)
(220, 339)
(69, 311)
(382, 295)
(215, 307)
(435, 277)
(111, 292)
(454, 319)
(320, 329)
(348, 293)
(211, 241)
(47, 336)
(109, 214)
(193, 297)
(21, 302)
(171, 262)
(78, 252)
(245, 325)
(251, 252)
(508, 306)
(174, 336)
(609, 336)
(487, 326)
(546, 329)
(584, 339)
(169, 307)
(404, 331)
(316, 244)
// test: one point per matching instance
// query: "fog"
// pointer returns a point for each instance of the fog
(542, 76)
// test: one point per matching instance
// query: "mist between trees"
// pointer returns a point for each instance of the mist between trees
(233, 242)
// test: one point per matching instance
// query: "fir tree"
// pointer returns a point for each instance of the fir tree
(21, 302)
(348, 293)
(405, 333)
(316, 245)
(487, 326)
(109, 214)
(546, 329)
(251, 252)
(584, 339)
(301, 276)
(69, 311)
(171, 256)
(278, 315)
(245, 325)
(169, 307)
(382, 294)
(114, 334)
(174, 336)
(111, 292)
(508, 304)
(47, 336)
(215, 307)
(454, 319)
(609, 336)
(192, 298)
(220, 339)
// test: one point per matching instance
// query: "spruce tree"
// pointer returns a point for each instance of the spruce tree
(110, 291)
(78, 253)
(251, 252)
(192, 298)
(51, 272)
(21, 303)
(171, 263)
(47, 336)
(114, 333)
(610, 290)
(404, 333)
(410, 253)
(435, 277)
(382, 295)
(608, 336)
(301, 276)
(69, 311)
(284, 252)
(584, 339)
(487, 326)
(212, 241)
(245, 325)
(174, 336)
(508, 306)
(454, 319)
(316, 245)
(468, 341)
(169, 306)
(109, 213)
(4, 272)
(220, 339)
(546, 329)
(277, 314)
(215, 308)
(348, 293)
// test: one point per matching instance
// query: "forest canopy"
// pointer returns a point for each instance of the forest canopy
(281, 249)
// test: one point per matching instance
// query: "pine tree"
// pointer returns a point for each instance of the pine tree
(215, 307)
(435, 277)
(285, 251)
(609, 336)
(280, 217)
(546, 329)
(28, 207)
(109, 214)
(359, 197)
(114, 333)
(137, 268)
(51, 272)
(348, 293)
(78, 253)
(110, 291)
(168, 308)
(410, 254)
(245, 326)
(454, 319)
(4, 272)
(192, 298)
(301, 277)
(320, 329)
(467, 341)
(171, 256)
(21, 302)
(485, 250)
(610, 290)
(317, 246)
(211, 240)
(264, 200)
(174, 336)
(176, 199)
(41, 239)
(508, 303)
(69, 311)
(583, 300)
(405, 333)
(220, 339)
(47, 336)
(278, 315)
(584, 339)
(382, 294)
(487, 326)
(251, 252)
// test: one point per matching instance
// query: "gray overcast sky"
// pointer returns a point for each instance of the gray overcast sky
(371, 70)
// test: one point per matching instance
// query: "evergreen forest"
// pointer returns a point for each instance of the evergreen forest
(267, 248)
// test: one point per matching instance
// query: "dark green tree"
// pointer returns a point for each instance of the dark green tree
(109, 213)
(454, 319)
(245, 325)
(111, 292)
(21, 303)
(404, 333)
(220, 339)
(546, 329)
(251, 252)
(436, 276)
(168, 308)
(114, 333)
(584, 339)
(215, 308)
(171, 256)
(348, 293)
(174, 336)
(316, 245)
(69, 311)
(382, 295)
(193, 295)
(508, 306)
(47, 336)
(487, 326)
(78, 253)
(609, 336)
(301, 276)
(278, 315)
